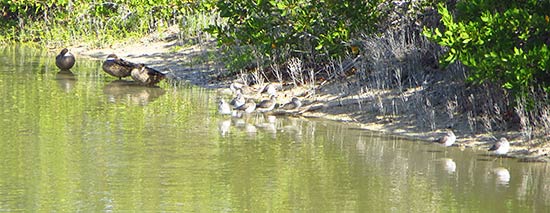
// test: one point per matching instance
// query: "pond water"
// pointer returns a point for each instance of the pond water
(84, 141)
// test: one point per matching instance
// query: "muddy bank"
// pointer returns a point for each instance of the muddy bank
(345, 99)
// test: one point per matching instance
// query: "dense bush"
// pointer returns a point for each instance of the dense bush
(505, 42)
(97, 21)
(261, 32)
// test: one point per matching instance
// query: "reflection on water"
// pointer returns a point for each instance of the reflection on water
(68, 150)
(450, 165)
(123, 91)
(66, 80)
(502, 175)
(223, 127)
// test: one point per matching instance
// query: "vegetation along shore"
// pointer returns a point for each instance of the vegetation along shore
(409, 68)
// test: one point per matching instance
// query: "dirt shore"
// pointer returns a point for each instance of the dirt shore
(337, 100)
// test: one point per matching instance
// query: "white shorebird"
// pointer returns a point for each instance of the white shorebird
(269, 89)
(239, 86)
(447, 140)
(235, 86)
(239, 100)
(267, 105)
(501, 147)
(224, 108)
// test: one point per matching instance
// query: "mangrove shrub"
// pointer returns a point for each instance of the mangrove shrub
(505, 42)
(260, 32)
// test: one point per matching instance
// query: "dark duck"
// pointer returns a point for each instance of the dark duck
(118, 67)
(65, 60)
(146, 75)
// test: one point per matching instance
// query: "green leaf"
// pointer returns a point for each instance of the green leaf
(438, 33)
(517, 51)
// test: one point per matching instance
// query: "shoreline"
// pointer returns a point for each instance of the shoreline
(192, 64)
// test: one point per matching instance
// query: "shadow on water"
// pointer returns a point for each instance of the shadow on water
(123, 91)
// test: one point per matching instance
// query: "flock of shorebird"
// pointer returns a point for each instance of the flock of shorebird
(117, 67)
(144, 75)
(501, 147)
(239, 104)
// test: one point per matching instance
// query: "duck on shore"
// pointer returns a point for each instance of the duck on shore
(118, 67)
(65, 60)
(146, 75)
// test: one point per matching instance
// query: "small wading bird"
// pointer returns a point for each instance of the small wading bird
(224, 108)
(295, 103)
(447, 140)
(118, 67)
(267, 105)
(269, 89)
(239, 100)
(65, 60)
(240, 85)
(248, 107)
(501, 147)
(147, 76)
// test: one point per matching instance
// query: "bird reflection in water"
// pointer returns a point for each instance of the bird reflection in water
(122, 91)
(224, 126)
(502, 176)
(293, 127)
(254, 124)
(251, 130)
(267, 123)
(449, 165)
(66, 80)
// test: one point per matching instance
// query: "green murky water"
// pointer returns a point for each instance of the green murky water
(82, 141)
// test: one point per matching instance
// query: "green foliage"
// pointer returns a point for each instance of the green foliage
(102, 22)
(263, 31)
(501, 41)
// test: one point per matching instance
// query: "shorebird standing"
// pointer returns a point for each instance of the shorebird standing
(248, 107)
(269, 89)
(293, 104)
(267, 105)
(224, 108)
(240, 85)
(501, 147)
(234, 86)
(449, 139)
(65, 60)
(239, 100)
(118, 67)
